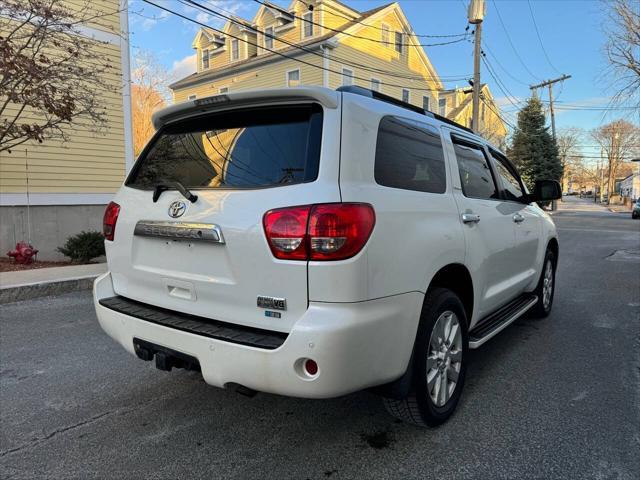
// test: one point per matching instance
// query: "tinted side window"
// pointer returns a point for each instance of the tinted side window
(475, 173)
(510, 184)
(409, 156)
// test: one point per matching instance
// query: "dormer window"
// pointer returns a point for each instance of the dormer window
(384, 34)
(268, 38)
(205, 59)
(235, 50)
(399, 42)
(308, 24)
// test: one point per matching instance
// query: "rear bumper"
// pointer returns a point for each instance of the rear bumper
(356, 346)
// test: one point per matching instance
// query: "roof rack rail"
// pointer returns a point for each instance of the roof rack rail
(394, 101)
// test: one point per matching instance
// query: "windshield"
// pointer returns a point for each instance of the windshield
(253, 148)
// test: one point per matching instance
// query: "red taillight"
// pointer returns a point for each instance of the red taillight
(109, 220)
(330, 231)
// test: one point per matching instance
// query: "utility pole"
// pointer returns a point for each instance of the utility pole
(477, 9)
(549, 83)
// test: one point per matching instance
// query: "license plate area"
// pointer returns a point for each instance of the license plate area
(166, 358)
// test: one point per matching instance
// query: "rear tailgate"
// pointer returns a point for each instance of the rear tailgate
(265, 158)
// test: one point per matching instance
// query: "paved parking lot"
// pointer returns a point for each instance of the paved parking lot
(556, 398)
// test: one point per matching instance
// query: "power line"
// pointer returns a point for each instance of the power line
(387, 43)
(500, 85)
(230, 18)
(281, 54)
(511, 41)
(533, 18)
(505, 70)
(379, 28)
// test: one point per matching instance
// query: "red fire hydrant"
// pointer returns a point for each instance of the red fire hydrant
(23, 253)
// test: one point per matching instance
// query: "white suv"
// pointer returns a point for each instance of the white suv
(312, 243)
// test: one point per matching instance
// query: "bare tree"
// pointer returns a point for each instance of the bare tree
(568, 141)
(149, 92)
(51, 75)
(623, 49)
(618, 143)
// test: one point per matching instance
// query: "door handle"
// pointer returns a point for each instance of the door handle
(470, 218)
(518, 218)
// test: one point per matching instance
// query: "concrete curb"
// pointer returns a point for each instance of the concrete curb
(16, 293)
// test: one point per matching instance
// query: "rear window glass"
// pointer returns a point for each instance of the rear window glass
(260, 147)
(409, 156)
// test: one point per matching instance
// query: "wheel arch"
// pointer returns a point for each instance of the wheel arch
(457, 278)
(553, 245)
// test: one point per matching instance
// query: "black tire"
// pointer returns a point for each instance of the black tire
(418, 407)
(540, 310)
(634, 215)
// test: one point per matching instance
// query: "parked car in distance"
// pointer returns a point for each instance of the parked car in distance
(635, 212)
(313, 243)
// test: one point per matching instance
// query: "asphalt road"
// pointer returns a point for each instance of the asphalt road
(553, 398)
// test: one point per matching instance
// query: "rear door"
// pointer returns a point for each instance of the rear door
(210, 257)
(487, 225)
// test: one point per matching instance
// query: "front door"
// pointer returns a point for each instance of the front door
(527, 221)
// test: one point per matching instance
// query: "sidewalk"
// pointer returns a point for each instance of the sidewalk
(26, 284)
(575, 204)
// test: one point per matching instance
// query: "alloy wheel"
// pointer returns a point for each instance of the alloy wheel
(547, 285)
(444, 359)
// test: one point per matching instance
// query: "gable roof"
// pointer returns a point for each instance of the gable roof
(291, 50)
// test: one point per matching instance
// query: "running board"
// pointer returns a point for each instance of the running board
(490, 326)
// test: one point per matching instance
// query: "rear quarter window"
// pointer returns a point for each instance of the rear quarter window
(249, 148)
(409, 156)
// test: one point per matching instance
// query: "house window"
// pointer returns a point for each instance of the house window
(268, 38)
(375, 84)
(308, 24)
(347, 76)
(482, 112)
(384, 35)
(405, 95)
(425, 102)
(442, 106)
(223, 89)
(293, 78)
(235, 50)
(191, 97)
(205, 59)
(399, 42)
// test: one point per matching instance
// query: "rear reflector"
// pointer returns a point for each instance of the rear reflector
(330, 231)
(109, 220)
(311, 367)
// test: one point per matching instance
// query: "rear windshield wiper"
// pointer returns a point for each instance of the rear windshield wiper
(163, 187)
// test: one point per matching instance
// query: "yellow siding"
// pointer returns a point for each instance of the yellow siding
(332, 17)
(89, 162)
(103, 14)
(395, 71)
(491, 125)
(272, 75)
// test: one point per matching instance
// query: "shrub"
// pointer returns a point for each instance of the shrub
(84, 246)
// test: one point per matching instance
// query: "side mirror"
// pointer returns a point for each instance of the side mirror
(546, 190)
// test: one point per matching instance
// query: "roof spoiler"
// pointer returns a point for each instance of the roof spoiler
(324, 96)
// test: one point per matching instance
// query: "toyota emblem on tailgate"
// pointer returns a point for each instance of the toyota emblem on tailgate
(177, 209)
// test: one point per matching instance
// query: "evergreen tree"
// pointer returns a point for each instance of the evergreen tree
(533, 150)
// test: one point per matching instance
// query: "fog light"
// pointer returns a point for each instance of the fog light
(311, 367)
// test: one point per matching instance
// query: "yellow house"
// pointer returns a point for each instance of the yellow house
(52, 190)
(316, 42)
(457, 105)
